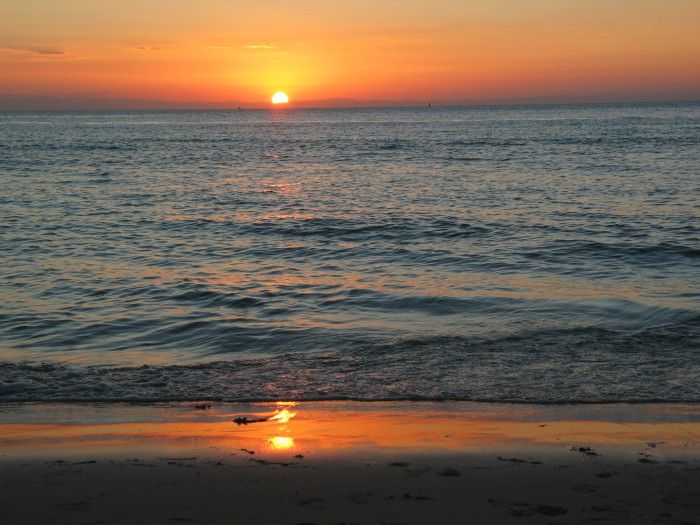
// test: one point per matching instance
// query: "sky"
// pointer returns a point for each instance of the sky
(218, 51)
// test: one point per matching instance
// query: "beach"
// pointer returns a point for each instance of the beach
(345, 462)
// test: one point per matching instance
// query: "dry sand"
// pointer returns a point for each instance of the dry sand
(333, 463)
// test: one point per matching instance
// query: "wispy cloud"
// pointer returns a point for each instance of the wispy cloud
(147, 48)
(271, 45)
(34, 50)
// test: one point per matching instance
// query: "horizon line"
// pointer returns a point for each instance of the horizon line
(56, 103)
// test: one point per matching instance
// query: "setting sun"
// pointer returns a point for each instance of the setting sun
(280, 98)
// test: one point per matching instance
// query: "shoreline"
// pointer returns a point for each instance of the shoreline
(349, 462)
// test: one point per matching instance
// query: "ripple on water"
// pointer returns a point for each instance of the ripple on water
(399, 254)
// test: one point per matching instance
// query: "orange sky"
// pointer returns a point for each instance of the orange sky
(228, 50)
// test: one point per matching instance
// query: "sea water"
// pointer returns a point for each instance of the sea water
(528, 254)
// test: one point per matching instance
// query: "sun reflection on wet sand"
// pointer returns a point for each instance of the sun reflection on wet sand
(339, 428)
(283, 416)
(281, 442)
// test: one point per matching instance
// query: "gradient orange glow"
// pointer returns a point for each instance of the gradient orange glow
(409, 50)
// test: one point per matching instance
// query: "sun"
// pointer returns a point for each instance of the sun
(280, 98)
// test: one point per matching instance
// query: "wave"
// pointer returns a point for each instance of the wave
(582, 365)
(400, 229)
(636, 253)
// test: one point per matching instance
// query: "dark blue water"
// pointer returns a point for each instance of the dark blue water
(546, 253)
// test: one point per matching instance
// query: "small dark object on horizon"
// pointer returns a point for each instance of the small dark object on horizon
(202, 407)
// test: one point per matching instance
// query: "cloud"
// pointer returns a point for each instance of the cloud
(147, 48)
(271, 45)
(34, 50)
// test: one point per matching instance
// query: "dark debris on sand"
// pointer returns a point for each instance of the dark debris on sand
(550, 510)
(585, 450)
(605, 474)
(247, 421)
(520, 510)
(518, 460)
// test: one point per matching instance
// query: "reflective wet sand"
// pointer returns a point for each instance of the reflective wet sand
(350, 463)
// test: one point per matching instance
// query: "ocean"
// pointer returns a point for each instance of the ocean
(531, 254)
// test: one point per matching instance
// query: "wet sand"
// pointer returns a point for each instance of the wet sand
(333, 463)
